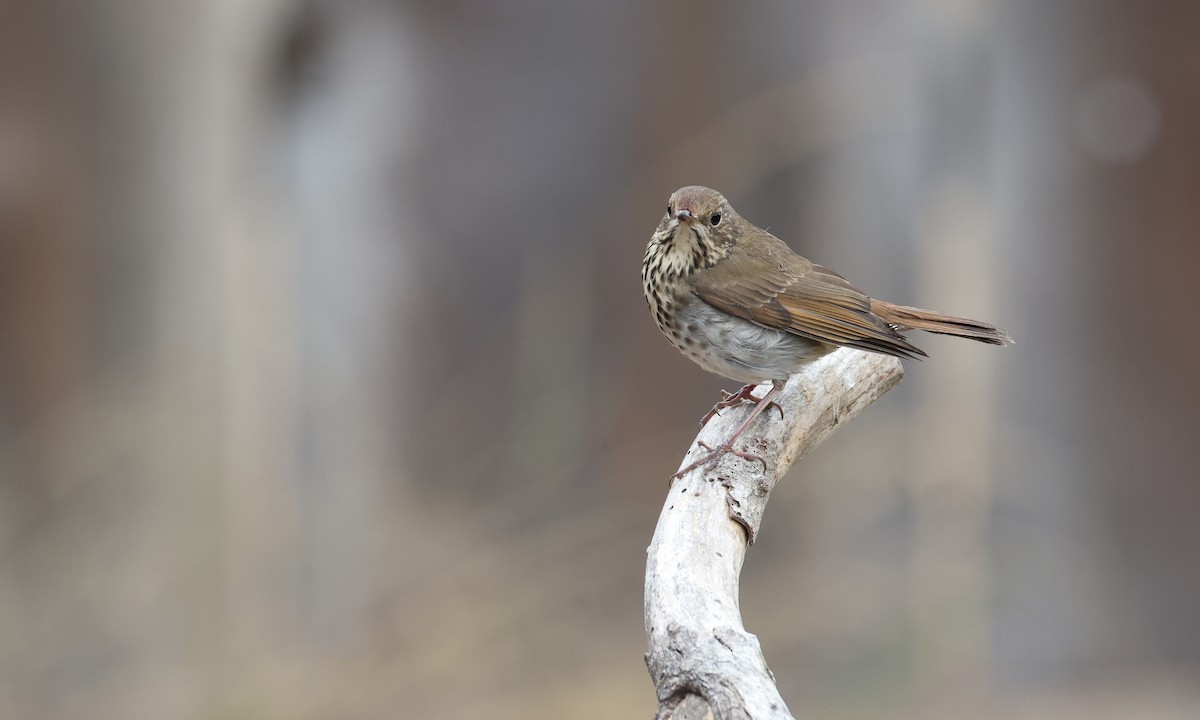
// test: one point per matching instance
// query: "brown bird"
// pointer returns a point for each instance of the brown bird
(737, 301)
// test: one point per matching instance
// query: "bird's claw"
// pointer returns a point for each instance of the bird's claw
(728, 400)
(715, 454)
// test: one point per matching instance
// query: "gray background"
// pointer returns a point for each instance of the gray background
(327, 389)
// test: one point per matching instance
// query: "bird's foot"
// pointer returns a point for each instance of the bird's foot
(715, 454)
(728, 400)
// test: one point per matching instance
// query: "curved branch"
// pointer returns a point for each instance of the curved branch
(701, 656)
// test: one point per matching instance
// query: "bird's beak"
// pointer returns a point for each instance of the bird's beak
(683, 215)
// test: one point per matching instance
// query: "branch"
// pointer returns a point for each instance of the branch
(701, 658)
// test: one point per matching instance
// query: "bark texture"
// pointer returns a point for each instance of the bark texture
(702, 660)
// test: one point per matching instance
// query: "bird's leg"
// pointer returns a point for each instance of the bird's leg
(715, 454)
(728, 400)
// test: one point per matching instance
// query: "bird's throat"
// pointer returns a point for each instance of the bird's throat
(682, 250)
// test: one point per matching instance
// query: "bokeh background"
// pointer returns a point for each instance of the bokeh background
(327, 389)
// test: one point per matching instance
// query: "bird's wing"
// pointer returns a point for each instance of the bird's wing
(769, 285)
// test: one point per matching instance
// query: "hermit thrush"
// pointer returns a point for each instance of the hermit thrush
(737, 301)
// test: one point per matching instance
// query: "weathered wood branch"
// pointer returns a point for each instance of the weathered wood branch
(701, 658)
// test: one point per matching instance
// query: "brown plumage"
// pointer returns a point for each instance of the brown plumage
(737, 301)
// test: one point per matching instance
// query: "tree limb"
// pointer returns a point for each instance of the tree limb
(701, 658)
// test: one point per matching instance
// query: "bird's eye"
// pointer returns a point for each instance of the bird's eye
(715, 219)
(668, 209)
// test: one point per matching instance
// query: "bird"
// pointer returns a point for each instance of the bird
(738, 302)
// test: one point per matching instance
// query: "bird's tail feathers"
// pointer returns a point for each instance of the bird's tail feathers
(935, 322)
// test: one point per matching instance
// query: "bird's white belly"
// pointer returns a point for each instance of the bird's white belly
(736, 348)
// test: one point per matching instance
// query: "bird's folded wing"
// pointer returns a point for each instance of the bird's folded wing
(773, 287)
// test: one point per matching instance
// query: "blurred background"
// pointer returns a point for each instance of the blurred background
(327, 388)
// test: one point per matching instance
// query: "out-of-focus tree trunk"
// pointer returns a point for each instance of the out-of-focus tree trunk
(193, 363)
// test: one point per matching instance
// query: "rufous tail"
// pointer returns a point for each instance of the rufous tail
(935, 322)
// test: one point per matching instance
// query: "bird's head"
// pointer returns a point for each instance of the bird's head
(697, 230)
